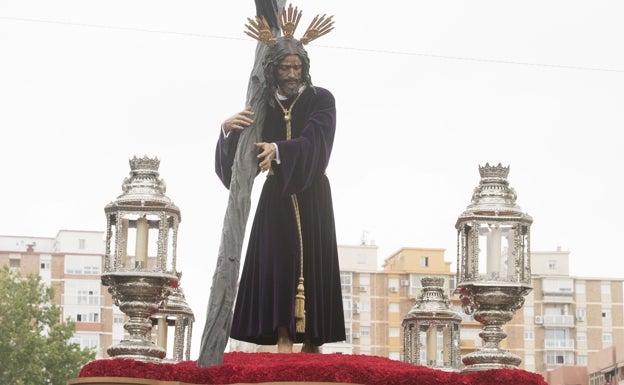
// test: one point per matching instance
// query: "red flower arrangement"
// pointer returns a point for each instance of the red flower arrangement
(241, 367)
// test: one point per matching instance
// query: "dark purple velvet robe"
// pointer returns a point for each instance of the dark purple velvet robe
(268, 284)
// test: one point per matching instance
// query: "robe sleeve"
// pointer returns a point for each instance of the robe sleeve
(304, 158)
(224, 156)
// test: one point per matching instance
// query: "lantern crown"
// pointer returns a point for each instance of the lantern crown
(143, 187)
(498, 171)
(493, 197)
(144, 164)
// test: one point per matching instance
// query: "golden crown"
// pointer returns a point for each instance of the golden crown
(260, 29)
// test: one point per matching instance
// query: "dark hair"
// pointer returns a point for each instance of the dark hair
(274, 57)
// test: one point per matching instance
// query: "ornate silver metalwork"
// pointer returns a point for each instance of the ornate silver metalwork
(494, 264)
(176, 313)
(493, 305)
(138, 295)
(429, 319)
(138, 282)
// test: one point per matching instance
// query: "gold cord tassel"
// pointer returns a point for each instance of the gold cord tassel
(300, 320)
(300, 317)
(300, 297)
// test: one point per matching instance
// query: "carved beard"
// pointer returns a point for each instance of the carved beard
(289, 87)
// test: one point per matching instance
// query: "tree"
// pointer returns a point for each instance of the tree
(34, 343)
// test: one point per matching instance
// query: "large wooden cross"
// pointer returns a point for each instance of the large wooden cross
(225, 279)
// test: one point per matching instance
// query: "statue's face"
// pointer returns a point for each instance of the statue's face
(289, 75)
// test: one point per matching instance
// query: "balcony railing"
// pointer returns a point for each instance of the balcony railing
(86, 300)
(558, 297)
(558, 344)
(559, 320)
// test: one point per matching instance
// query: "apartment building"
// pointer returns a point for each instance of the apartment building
(71, 263)
(565, 319)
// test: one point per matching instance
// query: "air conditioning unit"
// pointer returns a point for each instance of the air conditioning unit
(394, 289)
(404, 282)
(539, 320)
(363, 289)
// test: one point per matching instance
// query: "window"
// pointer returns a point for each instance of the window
(605, 288)
(347, 309)
(557, 338)
(88, 317)
(552, 264)
(364, 331)
(424, 261)
(607, 337)
(557, 358)
(346, 281)
(394, 332)
(393, 307)
(118, 319)
(415, 284)
(82, 244)
(581, 360)
(606, 313)
(91, 270)
(88, 297)
(581, 336)
(557, 285)
(45, 265)
(89, 341)
(580, 313)
(83, 264)
(348, 333)
(452, 284)
(364, 280)
(14, 263)
(580, 287)
(529, 335)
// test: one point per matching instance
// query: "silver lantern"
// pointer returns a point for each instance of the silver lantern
(175, 314)
(140, 262)
(431, 329)
(493, 264)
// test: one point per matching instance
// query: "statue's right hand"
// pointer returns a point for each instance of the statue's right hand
(238, 121)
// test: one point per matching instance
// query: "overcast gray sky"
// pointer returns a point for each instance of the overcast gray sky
(426, 92)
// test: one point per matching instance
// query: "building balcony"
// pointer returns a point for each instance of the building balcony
(558, 296)
(559, 344)
(90, 327)
(91, 300)
(558, 320)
